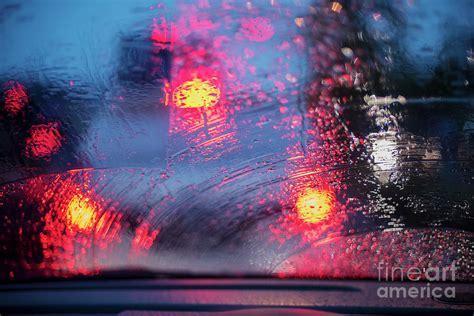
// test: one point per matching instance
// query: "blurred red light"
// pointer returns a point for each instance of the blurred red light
(15, 97)
(144, 238)
(44, 141)
(163, 34)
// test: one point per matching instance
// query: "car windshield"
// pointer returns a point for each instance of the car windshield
(282, 138)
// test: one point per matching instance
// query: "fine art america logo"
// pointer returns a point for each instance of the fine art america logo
(388, 273)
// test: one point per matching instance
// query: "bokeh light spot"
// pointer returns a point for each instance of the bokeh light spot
(44, 140)
(315, 205)
(81, 213)
(15, 97)
(196, 93)
(336, 7)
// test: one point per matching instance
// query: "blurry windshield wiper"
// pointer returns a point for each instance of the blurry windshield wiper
(375, 100)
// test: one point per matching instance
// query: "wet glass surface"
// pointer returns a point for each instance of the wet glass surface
(288, 138)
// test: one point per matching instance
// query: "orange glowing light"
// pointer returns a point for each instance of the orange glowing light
(315, 205)
(299, 22)
(336, 7)
(81, 213)
(196, 93)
